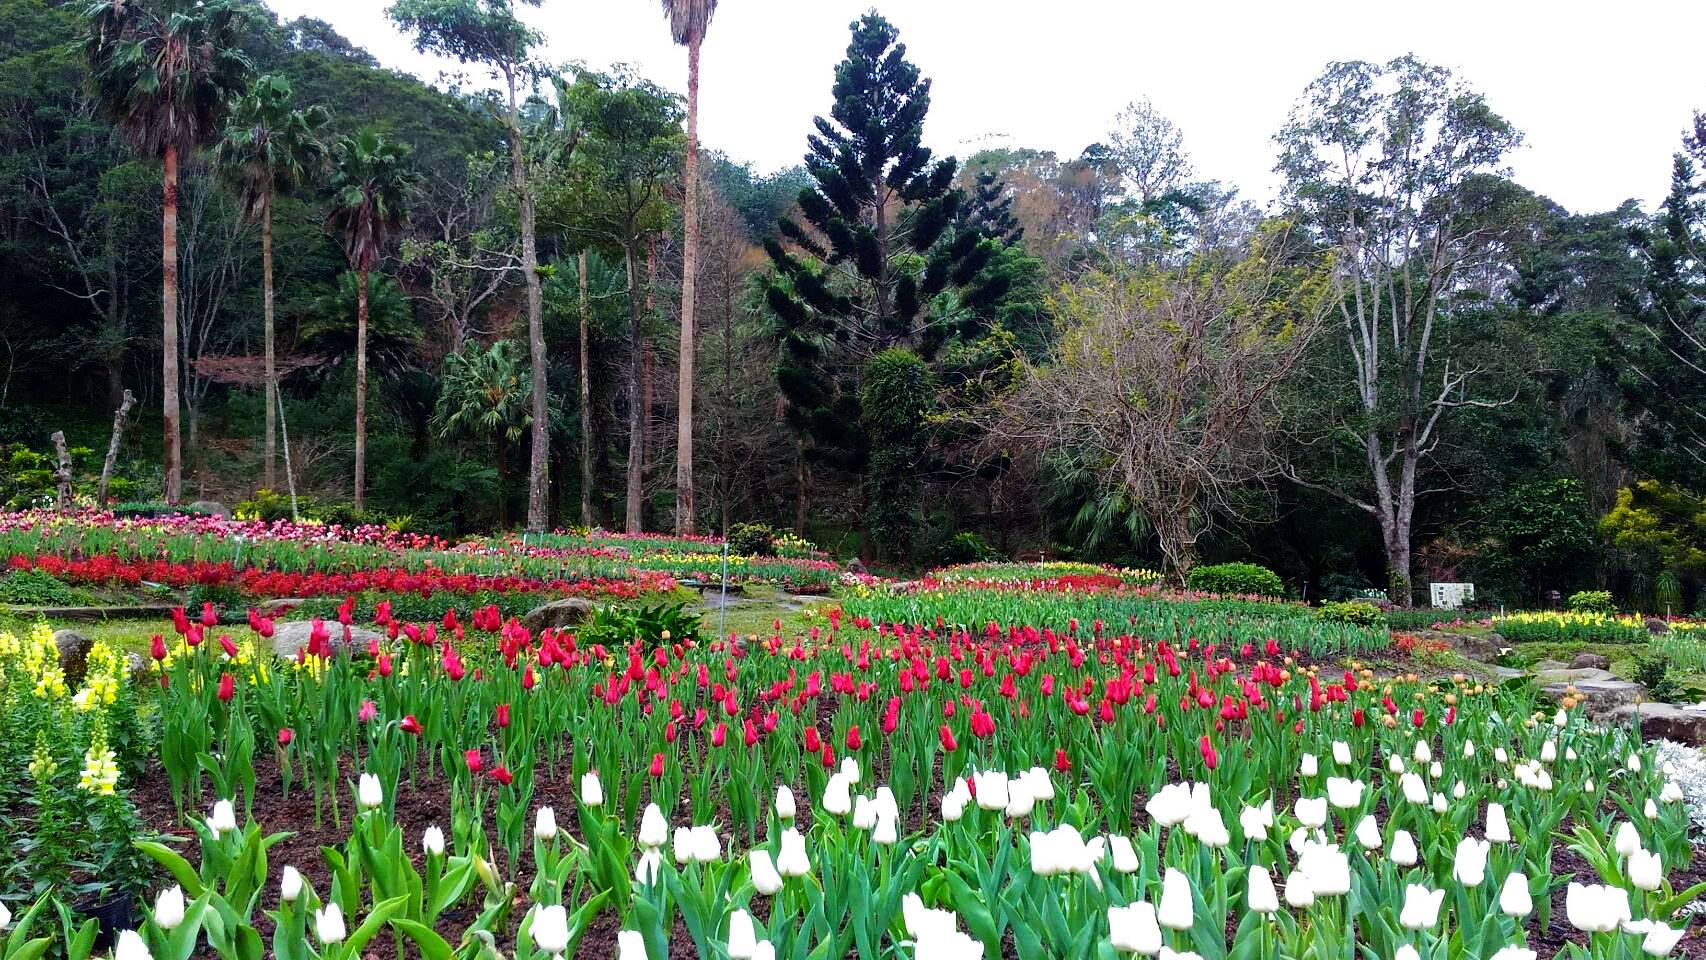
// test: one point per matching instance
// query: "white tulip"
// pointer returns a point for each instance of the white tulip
(1395, 764)
(649, 868)
(1645, 871)
(1020, 799)
(1311, 812)
(1514, 899)
(592, 789)
(763, 950)
(630, 945)
(1514, 952)
(1626, 840)
(1498, 827)
(223, 820)
(1436, 770)
(1406, 952)
(1500, 756)
(1041, 786)
(1415, 790)
(1403, 851)
(1651, 810)
(550, 929)
(1260, 897)
(785, 808)
(1327, 869)
(707, 847)
(290, 885)
(1423, 753)
(885, 803)
(368, 793)
(1298, 891)
(653, 830)
(1459, 791)
(1368, 833)
(1171, 806)
(792, 860)
(765, 879)
(1468, 748)
(1421, 907)
(1343, 793)
(1661, 939)
(329, 924)
(850, 770)
(130, 946)
(838, 797)
(1308, 766)
(1174, 911)
(1133, 929)
(5, 916)
(1470, 864)
(1341, 753)
(887, 831)
(1439, 804)
(1671, 792)
(1549, 752)
(1124, 854)
(1206, 824)
(991, 790)
(742, 941)
(1560, 718)
(681, 845)
(545, 824)
(1255, 821)
(432, 842)
(169, 908)
(864, 812)
(1634, 763)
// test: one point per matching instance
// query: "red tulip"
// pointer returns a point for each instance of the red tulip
(503, 715)
(949, 744)
(227, 687)
(157, 647)
(854, 742)
(209, 616)
(285, 735)
(501, 774)
(226, 644)
(657, 765)
(475, 761)
(1061, 761)
(812, 743)
(411, 725)
(1418, 718)
(719, 734)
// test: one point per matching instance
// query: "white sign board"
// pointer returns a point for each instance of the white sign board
(1451, 596)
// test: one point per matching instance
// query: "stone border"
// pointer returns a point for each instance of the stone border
(87, 614)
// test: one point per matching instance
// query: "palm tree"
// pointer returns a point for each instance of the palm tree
(270, 149)
(485, 393)
(688, 21)
(369, 181)
(165, 71)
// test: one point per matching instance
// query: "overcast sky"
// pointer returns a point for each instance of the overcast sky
(1601, 91)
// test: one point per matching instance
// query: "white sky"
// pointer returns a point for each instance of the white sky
(1601, 91)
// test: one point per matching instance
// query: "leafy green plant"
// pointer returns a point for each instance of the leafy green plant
(1236, 578)
(1654, 673)
(1591, 601)
(225, 597)
(1358, 612)
(752, 539)
(33, 588)
(618, 625)
(966, 547)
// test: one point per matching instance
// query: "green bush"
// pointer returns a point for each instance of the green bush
(752, 540)
(33, 588)
(233, 607)
(1654, 673)
(966, 547)
(1357, 612)
(617, 626)
(1591, 601)
(1236, 578)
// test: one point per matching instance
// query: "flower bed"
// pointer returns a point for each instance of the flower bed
(1566, 626)
(922, 792)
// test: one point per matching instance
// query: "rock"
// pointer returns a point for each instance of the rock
(1599, 698)
(137, 666)
(73, 655)
(1590, 661)
(1572, 675)
(289, 638)
(1658, 626)
(1664, 721)
(1483, 647)
(559, 614)
(856, 566)
(211, 508)
(267, 608)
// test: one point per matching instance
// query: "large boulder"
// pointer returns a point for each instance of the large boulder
(291, 637)
(558, 614)
(1600, 698)
(1665, 721)
(1590, 661)
(73, 655)
(212, 508)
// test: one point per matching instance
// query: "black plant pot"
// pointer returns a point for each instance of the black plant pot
(113, 910)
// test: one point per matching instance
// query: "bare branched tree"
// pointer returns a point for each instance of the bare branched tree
(1166, 380)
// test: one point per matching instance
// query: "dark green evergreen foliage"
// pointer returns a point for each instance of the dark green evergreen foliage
(327, 329)
(991, 209)
(1659, 347)
(899, 394)
(1243, 579)
(1539, 536)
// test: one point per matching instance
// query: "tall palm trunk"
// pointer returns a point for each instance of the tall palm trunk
(684, 500)
(539, 464)
(169, 327)
(271, 385)
(361, 392)
(586, 406)
(636, 389)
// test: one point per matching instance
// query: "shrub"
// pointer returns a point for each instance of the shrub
(1236, 578)
(966, 547)
(1356, 612)
(617, 626)
(752, 539)
(233, 607)
(1591, 601)
(33, 588)
(1654, 673)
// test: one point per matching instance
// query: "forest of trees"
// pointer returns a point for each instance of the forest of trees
(538, 302)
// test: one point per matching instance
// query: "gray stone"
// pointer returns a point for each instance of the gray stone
(1590, 661)
(73, 655)
(558, 614)
(267, 608)
(1599, 697)
(290, 638)
(1484, 647)
(212, 508)
(1658, 626)
(1664, 721)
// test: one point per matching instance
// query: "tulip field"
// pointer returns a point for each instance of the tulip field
(1065, 764)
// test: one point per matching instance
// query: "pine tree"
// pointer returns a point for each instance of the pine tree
(991, 209)
(874, 265)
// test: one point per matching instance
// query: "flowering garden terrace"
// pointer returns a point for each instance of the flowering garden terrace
(1047, 763)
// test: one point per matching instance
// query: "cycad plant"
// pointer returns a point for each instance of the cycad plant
(484, 395)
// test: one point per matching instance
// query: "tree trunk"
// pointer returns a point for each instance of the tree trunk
(119, 420)
(270, 451)
(361, 392)
(636, 389)
(684, 500)
(586, 405)
(62, 474)
(173, 464)
(539, 464)
(1396, 534)
(801, 479)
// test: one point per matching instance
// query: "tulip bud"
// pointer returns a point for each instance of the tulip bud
(329, 924)
(1403, 851)
(1514, 899)
(131, 946)
(630, 945)
(1421, 907)
(1175, 910)
(550, 929)
(545, 824)
(432, 842)
(224, 818)
(592, 789)
(1261, 897)
(169, 908)
(765, 879)
(1645, 871)
(368, 793)
(290, 885)
(653, 830)
(785, 809)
